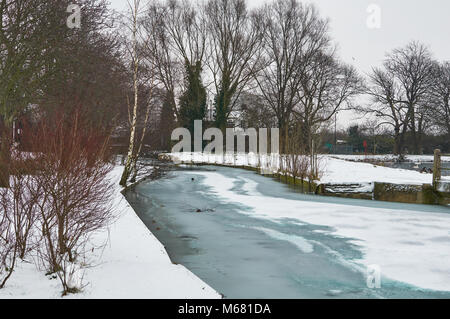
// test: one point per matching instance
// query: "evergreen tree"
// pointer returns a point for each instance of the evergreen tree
(355, 138)
(223, 102)
(167, 121)
(193, 100)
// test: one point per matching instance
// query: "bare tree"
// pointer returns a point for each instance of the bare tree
(293, 35)
(386, 105)
(412, 67)
(399, 93)
(186, 26)
(145, 128)
(174, 47)
(327, 85)
(131, 155)
(235, 36)
(440, 96)
(158, 50)
(254, 111)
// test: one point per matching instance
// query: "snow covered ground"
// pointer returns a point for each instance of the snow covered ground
(335, 171)
(133, 264)
(343, 171)
(410, 246)
(390, 157)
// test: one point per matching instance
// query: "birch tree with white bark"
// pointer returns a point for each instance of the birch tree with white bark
(131, 155)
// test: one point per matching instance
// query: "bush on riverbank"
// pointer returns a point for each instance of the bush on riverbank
(57, 200)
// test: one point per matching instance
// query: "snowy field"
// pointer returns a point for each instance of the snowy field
(343, 171)
(390, 157)
(133, 264)
(335, 170)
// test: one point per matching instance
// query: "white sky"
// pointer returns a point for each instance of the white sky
(401, 21)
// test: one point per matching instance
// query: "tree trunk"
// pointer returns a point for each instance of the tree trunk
(420, 137)
(141, 142)
(397, 149)
(131, 159)
(413, 128)
(283, 126)
(5, 160)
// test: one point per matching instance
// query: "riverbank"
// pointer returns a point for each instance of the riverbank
(339, 177)
(132, 264)
(334, 170)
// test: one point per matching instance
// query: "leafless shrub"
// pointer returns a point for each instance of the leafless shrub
(299, 166)
(298, 162)
(8, 247)
(316, 171)
(17, 212)
(19, 200)
(72, 176)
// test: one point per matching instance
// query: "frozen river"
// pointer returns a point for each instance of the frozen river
(249, 236)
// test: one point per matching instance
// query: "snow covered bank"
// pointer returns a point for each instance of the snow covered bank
(335, 171)
(390, 157)
(342, 171)
(134, 264)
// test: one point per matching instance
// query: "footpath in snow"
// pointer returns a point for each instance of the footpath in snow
(133, 264)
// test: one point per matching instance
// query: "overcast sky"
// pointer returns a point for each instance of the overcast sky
(401, 21)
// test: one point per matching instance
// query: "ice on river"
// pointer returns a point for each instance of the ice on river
(409, 246)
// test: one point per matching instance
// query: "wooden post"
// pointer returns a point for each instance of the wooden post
(436, 168)
(313, 164)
